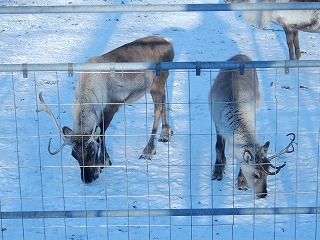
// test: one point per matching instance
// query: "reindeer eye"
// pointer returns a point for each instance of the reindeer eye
(256, 176)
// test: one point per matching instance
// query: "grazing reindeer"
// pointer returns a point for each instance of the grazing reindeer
(98, 97)
(292, 21)
(234, 100)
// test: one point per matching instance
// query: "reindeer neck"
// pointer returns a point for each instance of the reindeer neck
(238, 149)
(85, 118)
(245, 141)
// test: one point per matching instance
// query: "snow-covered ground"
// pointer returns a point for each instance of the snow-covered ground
(179, 176)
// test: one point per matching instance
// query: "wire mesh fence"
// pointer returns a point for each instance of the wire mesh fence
(172, 195)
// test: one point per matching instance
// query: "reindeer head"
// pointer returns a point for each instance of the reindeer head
(85, 148)
(257, 165)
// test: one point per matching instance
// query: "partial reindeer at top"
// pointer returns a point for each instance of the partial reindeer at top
(292, 21)
(234, 99)
(98, 96)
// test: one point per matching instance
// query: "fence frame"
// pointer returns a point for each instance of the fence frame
(157, 66)
(160, 212)
(140, 66)
(197, 66)
(158, 8)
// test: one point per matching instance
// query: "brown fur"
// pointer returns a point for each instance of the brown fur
(98, 97)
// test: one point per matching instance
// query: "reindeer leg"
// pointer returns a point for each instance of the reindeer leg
(296, 44)
(166, 130)
(157, 93)
(289, 36)
(149, 150)
(242, 181)
(107, 116)
(219, 166)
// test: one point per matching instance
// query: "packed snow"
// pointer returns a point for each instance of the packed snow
(179, 175)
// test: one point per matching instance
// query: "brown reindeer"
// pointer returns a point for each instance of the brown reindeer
(98, 96)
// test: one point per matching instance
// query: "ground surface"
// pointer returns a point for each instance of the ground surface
(179, 176)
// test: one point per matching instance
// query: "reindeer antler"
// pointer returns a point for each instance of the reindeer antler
(285, 150)
(274, 167)
(66, 141)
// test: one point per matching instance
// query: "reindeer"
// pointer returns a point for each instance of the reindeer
(98, 97)
(291, 21)
(234, 100)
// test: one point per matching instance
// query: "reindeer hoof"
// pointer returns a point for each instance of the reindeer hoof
(142, 156)
(163, 138)
(217, 176)
(148, 151)
(165, 135)
(242, 188)
(217, 173)
(147, 156)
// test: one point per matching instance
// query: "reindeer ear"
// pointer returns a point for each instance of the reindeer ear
(265, 147)
(67, 131)
(247, 156)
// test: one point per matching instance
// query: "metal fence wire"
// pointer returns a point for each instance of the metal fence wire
(171, 196)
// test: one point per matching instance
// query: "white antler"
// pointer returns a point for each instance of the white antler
(66, 141)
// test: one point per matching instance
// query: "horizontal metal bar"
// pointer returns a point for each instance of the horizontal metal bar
(159, 212)
(139, 66)
(158, 8)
